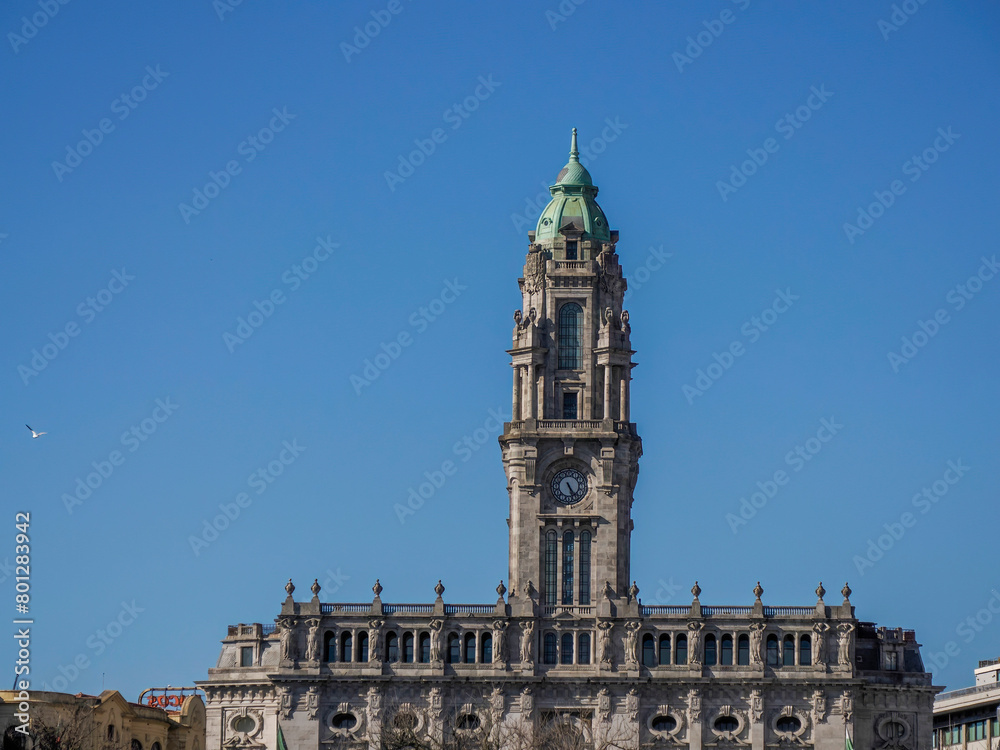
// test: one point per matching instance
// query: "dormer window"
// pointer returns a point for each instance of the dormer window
(571, 249)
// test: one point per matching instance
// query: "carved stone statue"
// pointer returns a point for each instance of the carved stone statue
(844, 631)
(375, 640)
(819, 643)
(756, 641)
(288, 640)
(607, 654)
(312, 641)
(499, 642)
(694, 642)
(436, 626)
(631, 643)
(528, 642)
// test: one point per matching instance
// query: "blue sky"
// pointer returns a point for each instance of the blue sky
(190, 167)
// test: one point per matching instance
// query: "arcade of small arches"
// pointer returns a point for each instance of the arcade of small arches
(725, 649)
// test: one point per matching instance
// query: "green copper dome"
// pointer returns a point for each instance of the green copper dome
(573, 206)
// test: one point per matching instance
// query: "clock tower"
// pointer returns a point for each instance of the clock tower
(570, 452)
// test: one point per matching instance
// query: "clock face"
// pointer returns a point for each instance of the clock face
(569, 486)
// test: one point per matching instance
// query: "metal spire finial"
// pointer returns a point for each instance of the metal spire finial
(574, 153)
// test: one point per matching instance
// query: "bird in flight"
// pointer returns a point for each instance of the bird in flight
(35, 434)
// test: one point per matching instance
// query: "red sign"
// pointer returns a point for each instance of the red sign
(168, 698)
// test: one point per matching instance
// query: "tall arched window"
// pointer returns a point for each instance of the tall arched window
(408, 648)
(772, 651)
(583, 648)
(743, 650)
(346, 645)
(566, 649)
(681, 650)
(585, 568)
(648, 651)
(549, 651)
(486, 649)
(788, 651)
(424, 652)
(363, 647)
(711, 655)
(470, 648)
(391, 647)
(805, 651)
(570, 343)
(454, 649)
(551, 566)
(664, 650)
(567, 597)
(726, 651)
(329, 646)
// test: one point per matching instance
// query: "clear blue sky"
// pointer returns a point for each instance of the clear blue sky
(863, 101)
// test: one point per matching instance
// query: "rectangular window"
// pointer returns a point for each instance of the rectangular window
(569, 406)
(996, 727)
(246, 656)
(891, 661)
(585, 569)
(549, 652)
(953, 736)
(551, 563)
(568, 555)
(976, 730)
(571, 249)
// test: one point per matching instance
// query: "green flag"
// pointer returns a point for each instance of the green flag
(848, 745)
(283, 746)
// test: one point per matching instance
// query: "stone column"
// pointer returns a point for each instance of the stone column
(533, 385)
(516, 411)
(607, 391)
(623, 404)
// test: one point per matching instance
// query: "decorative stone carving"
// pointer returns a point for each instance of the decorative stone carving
(633, 592)
(530, 590)
(534, 272)
(439, 588)
(819, 643)
(288, 650)
(312, 701)
(845, 632)
(847, 705)
(794, 737)
(500, 642)
(608, 591)
(820, 591)
(693, 705)
(631, 643)
(756, 706)
(527, 702)
(375, 641)
(603, 705)
(819, 706)
(285, 705)
(501, 590)
(377, 588)
(607, 653)
(528, 642)
(436, 627)
(694, 642)
(312, 641)
(696, 590)
(290, 587)
(756, 643)
(497, 704)
(632, 704)
(758, 591)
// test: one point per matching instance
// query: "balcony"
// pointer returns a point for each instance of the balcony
(558, 426)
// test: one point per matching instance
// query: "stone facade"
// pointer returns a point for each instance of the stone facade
(969, 718)
(569, 652)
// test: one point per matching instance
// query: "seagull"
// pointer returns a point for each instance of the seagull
(35, 434)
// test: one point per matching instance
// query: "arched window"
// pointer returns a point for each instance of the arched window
(585, 568)
(470, 648)
(329, 646)
(111, 732)
(425, 648)
(583, 648)
(711, 655)
(346, 647)
(486, 649)
(570, 344)
(549, 651)
(136, 745)
(155, 746)
(566, 649)
(363, 647)
(743, 650)
(391, 648)
(454, 649)
(681, 650)
(648, 651)
(664, 650)
(805, 651)
(788, 651)
(726, 651)
(408, 648)
(551, 566)
(772, 651)
(567, 597)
